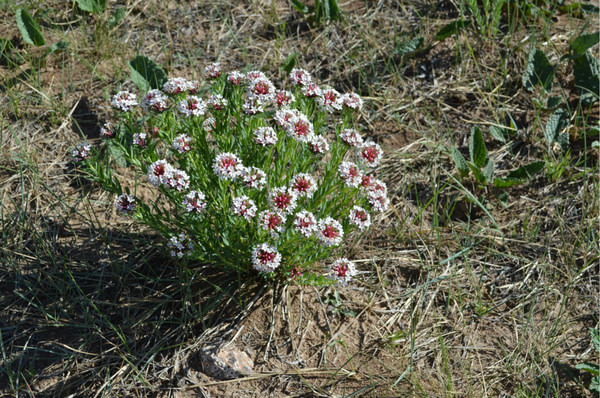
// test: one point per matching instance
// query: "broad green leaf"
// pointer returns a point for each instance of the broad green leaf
(563, 141)
(507, 182)
(59, 46)
(589, 367)
(332, 10)
(300, 6)
(557, 122)
(596, 144)
(592, 132)
(498, 133)
(146, 73)
(553, 102)
(479, 176)
(451, 29)
(578, 10)
(538, 71)
(527, 171)
(488, 170)
(29, 28)
(595, 336)
(583, 42)
(477, 148)
(502, 197)
(409, 46)
(290, 62)
(118, 154)
(595, 384)
(93, 6)
(587, 77)
(460, 162)
(117, 17)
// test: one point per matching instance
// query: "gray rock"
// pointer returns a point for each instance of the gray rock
(225, 362)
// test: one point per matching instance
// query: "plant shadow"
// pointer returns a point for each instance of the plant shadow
(80, 299)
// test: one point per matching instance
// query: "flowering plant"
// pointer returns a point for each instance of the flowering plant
(243, 174)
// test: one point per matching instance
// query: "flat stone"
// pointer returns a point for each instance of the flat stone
(225, 362)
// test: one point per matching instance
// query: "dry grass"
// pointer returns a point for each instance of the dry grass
(457, 295)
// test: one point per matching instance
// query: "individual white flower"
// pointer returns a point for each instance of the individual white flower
(352, 101)
(217, 102)
(318, 144)
(180, 245)
(378, 186)
(176, 85)
(213, 71)
(301, 129)
(378, 201)
(265, 258)
(195, 202)
(350, 174)
(254, 177)
(243, 206)
(125, 203)
(255, 75)
(272, 221)
(351, 137)
(81, 151)
(311, 90)
(108, 130)
(124, 101)
(139, 139)
(236, 78)
(262, 90)
(285, 117)
(284, 99)
(330, 232)
(360, 218)
(305, 223)
(192, 106)
(330, 100)
(300, 77)
(182, 143)
(342, 270)
(253, 107)
(193, 87)
(283, 199)
(227, 166)
(265, 136)
(154, 100)
(370, 154)
(303, 185)
(159, 172)
(209, 124)
(178, 180)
